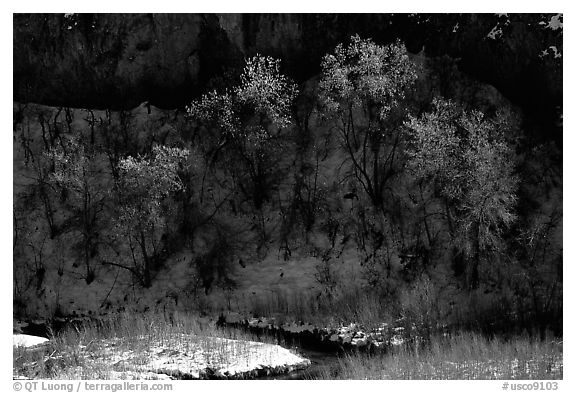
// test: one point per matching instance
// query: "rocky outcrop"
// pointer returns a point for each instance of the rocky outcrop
(114, 61)
(118, 61)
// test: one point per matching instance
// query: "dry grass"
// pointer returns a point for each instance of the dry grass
(116, 347)
(460, 356)
(353, 306)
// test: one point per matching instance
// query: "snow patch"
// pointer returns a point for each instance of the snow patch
(189, 356)
(554, 23)
(551, 50)
(130, 375)
(397, 340)
(253, 322)
(25, 340)
(298, 328)
(495, 33)
(360, 341)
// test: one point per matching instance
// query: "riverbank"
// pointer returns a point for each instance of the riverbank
(151, 347)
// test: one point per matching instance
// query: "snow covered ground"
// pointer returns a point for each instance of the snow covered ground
(25, 340)
(191, 357)
(173, 356)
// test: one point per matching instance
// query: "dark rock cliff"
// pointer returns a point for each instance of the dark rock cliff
(120, 60)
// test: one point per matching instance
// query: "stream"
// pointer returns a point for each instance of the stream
(321, 364)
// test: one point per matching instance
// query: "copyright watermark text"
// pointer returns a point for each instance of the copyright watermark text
(536, 385)
(90, 386)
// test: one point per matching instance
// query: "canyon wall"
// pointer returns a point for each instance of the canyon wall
(117, 61)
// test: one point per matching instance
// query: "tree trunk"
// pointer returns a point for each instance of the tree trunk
(474, 262)
(146, 276)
